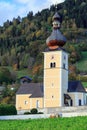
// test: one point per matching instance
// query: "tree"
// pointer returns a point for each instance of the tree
(6, 24)
(5, 75)
(30, 15)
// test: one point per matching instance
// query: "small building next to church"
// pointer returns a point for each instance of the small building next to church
(55, 91)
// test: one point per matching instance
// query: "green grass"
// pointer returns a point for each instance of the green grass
(74, 123)
(82, 64)
(84, 84)
(23, 72)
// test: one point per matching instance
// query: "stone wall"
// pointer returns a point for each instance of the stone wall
(39, 116)
(65, 109)
(58, 110)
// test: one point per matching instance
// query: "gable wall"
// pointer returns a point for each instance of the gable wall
(23, 102)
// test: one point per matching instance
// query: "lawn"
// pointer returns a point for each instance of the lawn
(73, 123)
(84, 84)
(21, 72)
(82, 64)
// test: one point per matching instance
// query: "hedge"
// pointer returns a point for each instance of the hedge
(7, 110)
(26, 113)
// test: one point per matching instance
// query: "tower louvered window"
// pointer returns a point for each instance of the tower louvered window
(52, 65)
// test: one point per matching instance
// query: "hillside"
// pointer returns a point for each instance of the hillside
(82, 64)
(22, 40)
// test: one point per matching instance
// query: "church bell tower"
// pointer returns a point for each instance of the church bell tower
(55, 67)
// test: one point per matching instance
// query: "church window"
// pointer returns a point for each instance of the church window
(37, 104)
(64, 66)
(52, 96)
(52, 84)
(79, 102)
(25, 102)
(52, 65)
(64, 57)
(52, 57)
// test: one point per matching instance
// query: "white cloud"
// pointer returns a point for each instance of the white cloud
(55, 1)
(10, 10)
(22, 1)
(6, 11)
(15, 8)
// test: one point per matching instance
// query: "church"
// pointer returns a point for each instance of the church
(55, 91)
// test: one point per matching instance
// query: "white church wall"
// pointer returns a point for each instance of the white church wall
(64, 75)
(76, 97)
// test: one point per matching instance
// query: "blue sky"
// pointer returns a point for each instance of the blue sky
(14, 8)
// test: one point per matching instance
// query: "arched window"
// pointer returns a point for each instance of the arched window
(37, 104)
(52, 65)
(64, 66)
(64, 57)
(25, 102)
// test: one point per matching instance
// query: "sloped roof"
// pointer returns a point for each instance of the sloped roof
(56, 15)
(26, 77)
(75, 86)
(35, 89)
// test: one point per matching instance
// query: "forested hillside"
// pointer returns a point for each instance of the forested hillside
(23, 40)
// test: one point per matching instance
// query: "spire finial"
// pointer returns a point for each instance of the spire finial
(56, 6)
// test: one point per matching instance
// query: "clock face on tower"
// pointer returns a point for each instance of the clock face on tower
(52, 57)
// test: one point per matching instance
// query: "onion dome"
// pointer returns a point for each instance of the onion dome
(56, 39)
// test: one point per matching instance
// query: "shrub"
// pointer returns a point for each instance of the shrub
(26, 113)
(83, 78)
(34, 111)
(7, 110)
(52, 116)
(40, 112)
